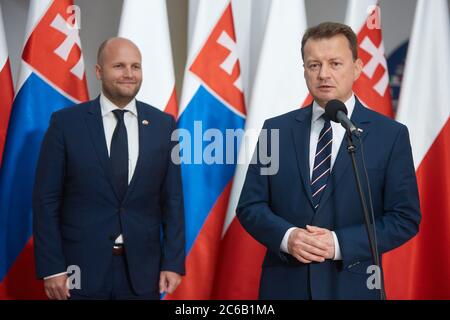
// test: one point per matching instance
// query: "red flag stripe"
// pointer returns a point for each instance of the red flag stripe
(172, 105)
(242, 256)
(20, 282)
(6, 98)
(425, 272)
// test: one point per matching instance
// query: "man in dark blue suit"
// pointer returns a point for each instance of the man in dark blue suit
(308, 214)
(108, 197)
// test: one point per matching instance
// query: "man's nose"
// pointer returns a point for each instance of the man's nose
(324, 72)
(128, 72)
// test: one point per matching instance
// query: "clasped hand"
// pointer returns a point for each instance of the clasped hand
(312, 244)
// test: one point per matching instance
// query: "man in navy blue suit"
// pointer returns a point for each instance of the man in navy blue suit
(308, 214)
(108, 197)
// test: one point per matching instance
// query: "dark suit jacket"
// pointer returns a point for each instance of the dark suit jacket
(78, 215)
(270, 205)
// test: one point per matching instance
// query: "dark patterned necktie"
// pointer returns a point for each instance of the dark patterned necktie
(322, 162)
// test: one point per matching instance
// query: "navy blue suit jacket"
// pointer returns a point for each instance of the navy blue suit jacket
(78, 215)
(270, 205)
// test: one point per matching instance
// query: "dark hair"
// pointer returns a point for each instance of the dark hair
(328, 30)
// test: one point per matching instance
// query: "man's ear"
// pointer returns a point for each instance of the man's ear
(98, 72)
(358, 68)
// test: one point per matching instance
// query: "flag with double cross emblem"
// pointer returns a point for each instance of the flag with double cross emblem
(212, 109)
(372, 87)
(52, 77)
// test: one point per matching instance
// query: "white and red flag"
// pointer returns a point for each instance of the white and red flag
(420, 269)
(146, 24)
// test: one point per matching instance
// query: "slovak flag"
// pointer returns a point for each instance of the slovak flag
(279, 87)
(212, 107)
(146, 24)
(52, 77)
(6, 88)
(372, 87)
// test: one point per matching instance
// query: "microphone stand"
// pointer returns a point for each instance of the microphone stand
(369, 221)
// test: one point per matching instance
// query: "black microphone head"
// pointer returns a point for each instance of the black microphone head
(332, 107)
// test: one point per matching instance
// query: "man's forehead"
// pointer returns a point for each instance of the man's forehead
(338, 39)
(122, 53)
(115, 47)
(120, 42)
(121, 46)
(337, 47)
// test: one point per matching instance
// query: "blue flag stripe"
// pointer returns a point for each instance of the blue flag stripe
(203, 183)
(29, 120)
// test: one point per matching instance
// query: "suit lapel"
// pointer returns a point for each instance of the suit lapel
(95, 124)
(343, 161)
(301, 132)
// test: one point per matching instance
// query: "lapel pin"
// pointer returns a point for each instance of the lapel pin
(145, 122)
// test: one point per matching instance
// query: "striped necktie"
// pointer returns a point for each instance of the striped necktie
(322, 162)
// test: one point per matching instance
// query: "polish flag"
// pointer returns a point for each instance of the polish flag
(146, 24)
(6, 88)
(372, 87)
(420, 269)
(279, 87)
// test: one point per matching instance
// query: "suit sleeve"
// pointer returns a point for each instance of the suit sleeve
(401, 217)
(253, 210)
(47, 200)
(173, 258)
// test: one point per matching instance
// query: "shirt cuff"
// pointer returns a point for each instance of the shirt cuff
(119, 239)
(55, 275)
(284, 242)
(337, 249)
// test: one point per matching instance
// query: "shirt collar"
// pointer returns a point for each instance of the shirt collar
(318, 111)
(107, 106)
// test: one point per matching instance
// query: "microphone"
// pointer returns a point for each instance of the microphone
(337, 112)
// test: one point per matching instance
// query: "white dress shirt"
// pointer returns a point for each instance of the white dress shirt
(338, 136)
(109, 124)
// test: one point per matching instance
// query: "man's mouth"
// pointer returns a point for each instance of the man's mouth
(325, 87)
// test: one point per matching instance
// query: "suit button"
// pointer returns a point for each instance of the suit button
(121, 210)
